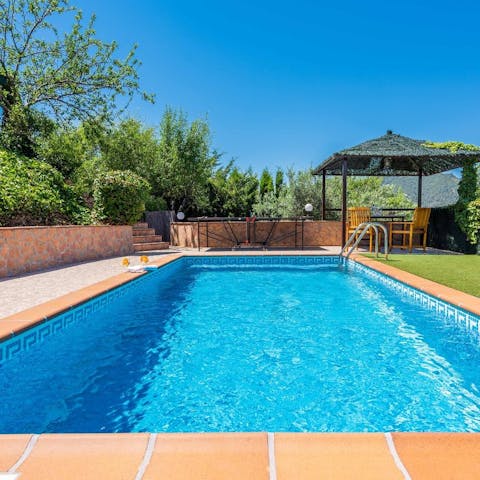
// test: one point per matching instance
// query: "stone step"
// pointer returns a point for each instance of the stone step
(140, 225)
(146, 247)
(147, 239)
(140, 232)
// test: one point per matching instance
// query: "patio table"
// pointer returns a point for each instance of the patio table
(388, 218)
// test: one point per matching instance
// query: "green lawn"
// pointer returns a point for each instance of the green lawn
(457, 271)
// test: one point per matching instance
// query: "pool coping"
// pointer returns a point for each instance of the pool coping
(239, 455)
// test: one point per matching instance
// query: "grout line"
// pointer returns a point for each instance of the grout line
(147, 457)
(396, 458)
(28, 450)
(271, 456)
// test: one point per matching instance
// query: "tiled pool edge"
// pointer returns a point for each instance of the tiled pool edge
(27, 319)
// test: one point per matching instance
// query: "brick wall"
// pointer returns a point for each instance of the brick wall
(28, 249)
(221, 235)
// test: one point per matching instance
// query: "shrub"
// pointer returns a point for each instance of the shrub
(31, 192)
(119, 197)
(467, 192)
(473, 221)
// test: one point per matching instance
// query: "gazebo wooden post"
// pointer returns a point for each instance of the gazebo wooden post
(344, 201)
(324, 184)
(419, 194)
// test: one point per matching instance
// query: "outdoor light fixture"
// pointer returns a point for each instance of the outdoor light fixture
(180, 216)
(309, 208)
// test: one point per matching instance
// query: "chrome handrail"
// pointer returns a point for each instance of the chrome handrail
(365, 227)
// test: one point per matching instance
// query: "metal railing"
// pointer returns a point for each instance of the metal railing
(364, 228)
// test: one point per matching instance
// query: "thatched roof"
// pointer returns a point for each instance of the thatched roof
(393, 154)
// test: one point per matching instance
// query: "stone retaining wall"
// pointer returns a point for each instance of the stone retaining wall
(222, 235)
(28, 249)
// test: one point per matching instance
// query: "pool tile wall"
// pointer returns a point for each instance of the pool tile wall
(463, 318)
(29, 249)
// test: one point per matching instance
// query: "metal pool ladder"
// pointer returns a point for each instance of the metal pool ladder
(363, 228)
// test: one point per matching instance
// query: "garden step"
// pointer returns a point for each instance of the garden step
(140, 232)
(147, 238)
(140, 225)
(145, 247)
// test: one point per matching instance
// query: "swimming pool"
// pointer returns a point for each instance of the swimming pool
(247, 344)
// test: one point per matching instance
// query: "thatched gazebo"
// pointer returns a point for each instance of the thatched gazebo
(390, 155)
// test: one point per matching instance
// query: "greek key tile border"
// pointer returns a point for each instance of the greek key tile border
(262, 260)
(25, 340)
(447, 310)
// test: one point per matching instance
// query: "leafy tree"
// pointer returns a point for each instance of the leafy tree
(366, 191)
(266, 183)
(68, 148)
(185, 163)
(278, 181)
(45, 72)
(303, 188)
(232, 192)
(131, 146)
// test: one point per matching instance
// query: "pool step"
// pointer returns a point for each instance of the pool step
(140, 225)
(145, 247)
(144, 239)
(140, 232)
(150, 238)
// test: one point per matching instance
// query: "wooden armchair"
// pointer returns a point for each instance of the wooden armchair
(418, 226)
(356, 216)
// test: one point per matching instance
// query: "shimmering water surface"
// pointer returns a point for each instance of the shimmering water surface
(249, 348)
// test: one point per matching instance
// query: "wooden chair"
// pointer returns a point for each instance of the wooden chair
(418, 226)
(356, 216)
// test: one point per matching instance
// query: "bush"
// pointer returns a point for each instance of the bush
(473, 225)
(31, 192)
(119, 197)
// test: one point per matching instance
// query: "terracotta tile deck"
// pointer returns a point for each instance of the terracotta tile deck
(250, 456)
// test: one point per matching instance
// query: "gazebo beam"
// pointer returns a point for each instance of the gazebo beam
(344, 201)
(324, 187)
(419, 193)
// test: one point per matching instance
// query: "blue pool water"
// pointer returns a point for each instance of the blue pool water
(249, 348)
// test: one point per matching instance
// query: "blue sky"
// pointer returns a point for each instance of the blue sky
(288, 83)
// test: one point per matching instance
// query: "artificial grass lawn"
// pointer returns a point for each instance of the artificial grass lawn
(461, 272)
